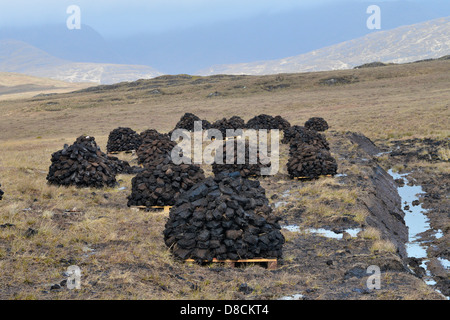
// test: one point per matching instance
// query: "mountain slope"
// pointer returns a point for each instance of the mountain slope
(270, 35)
(85, 44)
(426, 40)
(20, 57)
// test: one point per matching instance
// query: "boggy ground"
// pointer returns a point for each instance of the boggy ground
(427, 163)
(121, 253)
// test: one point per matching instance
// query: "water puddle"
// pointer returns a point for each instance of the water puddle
(445, 263)
(291, 228)
(428, 279)
(415, 218)
(382, 153)
(417, 223)
(285, 194)
(334, 235)
(279, 204)
(292, 297)
(323, 232)
(439, 234)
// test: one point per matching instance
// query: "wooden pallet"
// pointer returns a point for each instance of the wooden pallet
(166, 209)
(270, 263)
(304, 178)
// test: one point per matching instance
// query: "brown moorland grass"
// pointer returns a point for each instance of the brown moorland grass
(388, 102)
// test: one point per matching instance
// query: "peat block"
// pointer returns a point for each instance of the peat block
(298, 135)
(187, 122)
(122, 166)
(82, 164)
(309, 161)
(245, 169)
(150, 135)
(123, 139)
(155, 148)
(317, 124)
(280, 123)
(162, 182)
(264, 121)
(222, 125)
(225, 217)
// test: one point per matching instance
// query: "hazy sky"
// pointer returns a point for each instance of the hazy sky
(119, 18)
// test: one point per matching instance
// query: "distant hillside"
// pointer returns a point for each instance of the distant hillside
(20, 57)
(421, 41)
(258, 36)
(16, 85)
(82, 45)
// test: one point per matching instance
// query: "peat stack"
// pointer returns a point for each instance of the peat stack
(298, 135)
(156, 149)
(1, 192)
(122, 166)
(317, 124)
(117, 165)
(187, 122)
(123, 139)
(245, 169)
(311, 162)
(280, 123)
(264, 121)
(82, 164)
(226, 217)
(150, 135)
(222, 125)
(162, 184)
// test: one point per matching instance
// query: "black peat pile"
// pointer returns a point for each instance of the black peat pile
(150, 135)
(309, 153)
(317, 124)
(123, 139)
(247, 166)
(226, 217)
(82, 164)
(1, 193)
(280, 123)
(187, 122)
(155, 149)
(122, 167)
(234, 123)
(311, 162)
(264, 121)
(297, 135)
(162, 184)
